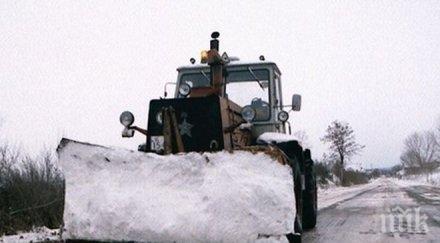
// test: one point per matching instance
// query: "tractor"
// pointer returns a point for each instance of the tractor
(219, 164)
(225, 104)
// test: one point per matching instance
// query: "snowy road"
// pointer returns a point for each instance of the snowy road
(384, 211)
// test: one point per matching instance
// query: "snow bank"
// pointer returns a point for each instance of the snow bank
(331, 195)
(432, 179)
(117, 194)
(40, 234)
(270, 137)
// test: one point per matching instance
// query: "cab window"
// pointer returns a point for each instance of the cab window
(250, 87)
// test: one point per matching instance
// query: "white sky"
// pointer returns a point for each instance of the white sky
(68, 68)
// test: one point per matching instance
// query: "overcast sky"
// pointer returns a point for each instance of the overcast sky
(68, 68)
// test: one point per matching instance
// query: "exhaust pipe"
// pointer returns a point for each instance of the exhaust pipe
(216, 63)
(214, 44)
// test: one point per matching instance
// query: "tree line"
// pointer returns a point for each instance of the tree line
(421, 151)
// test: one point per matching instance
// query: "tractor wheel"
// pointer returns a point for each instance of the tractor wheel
(294, 238)
(310, 213)
(294, 153)
(310, 207)
(299, 210)
(298, 227)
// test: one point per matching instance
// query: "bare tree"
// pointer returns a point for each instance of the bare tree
(420, 152)
(342, 144)
(303, 138)
(437, 140)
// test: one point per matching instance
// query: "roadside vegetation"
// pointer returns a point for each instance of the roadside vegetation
(342, 144)
(327, 175)
(31, 191)
(420, 157)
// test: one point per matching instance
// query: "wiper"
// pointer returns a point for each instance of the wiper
(206, 76)
(255, 77)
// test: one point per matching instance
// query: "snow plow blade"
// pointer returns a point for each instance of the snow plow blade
(115, 194)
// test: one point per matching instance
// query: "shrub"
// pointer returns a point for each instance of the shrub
(323, 173)
(31, 191)
(354, 177)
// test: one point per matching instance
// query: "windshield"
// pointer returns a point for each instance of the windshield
(250, 87)
(198, 79)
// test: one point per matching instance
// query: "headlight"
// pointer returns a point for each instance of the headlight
(248, 113)
(159, 118)
(126, 118)
(283, 116)
(184, 89)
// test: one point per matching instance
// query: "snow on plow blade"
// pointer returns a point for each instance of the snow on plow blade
(115, 194)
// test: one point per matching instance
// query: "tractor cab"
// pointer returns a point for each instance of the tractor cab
(254, 86)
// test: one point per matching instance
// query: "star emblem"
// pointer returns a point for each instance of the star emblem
(185, 128)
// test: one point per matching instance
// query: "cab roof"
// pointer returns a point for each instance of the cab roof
(231, 64)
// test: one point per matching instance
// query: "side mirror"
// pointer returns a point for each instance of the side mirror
(296, 102)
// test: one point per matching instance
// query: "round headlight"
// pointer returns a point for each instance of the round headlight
(184, 89)
(159, 118)
(283, 116)
(126, 118)
(248, 113)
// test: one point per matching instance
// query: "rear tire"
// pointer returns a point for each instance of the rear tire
(294, 238)
(294, 153)
(310, 202)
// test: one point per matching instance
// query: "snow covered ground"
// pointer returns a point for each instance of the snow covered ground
(333, 194)
(40, 234)
(414, 180)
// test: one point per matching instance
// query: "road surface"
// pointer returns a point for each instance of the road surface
(387, 212)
